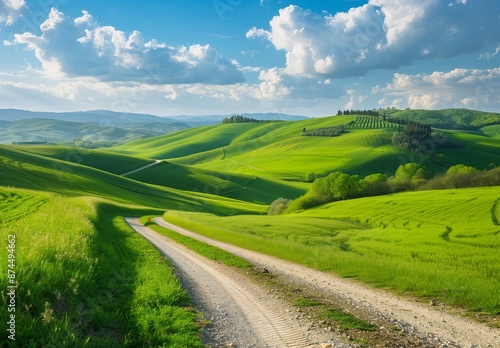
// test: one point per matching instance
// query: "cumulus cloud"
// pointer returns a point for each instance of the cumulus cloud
(470, 88)
(380, 34)
(81, 48)
(10, 10)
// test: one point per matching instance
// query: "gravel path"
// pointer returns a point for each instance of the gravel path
(430, 324)
(241, 313)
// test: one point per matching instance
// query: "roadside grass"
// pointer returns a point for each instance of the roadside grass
(430, 244)
(209, 251)
(344, 320)
(347, 321)
(305, 302)
(85, 279)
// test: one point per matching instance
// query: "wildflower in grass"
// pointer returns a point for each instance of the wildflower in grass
(47, 314)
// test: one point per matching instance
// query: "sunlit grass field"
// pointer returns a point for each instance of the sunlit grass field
(30, 171)
(99, 159)
(84, 278)
(438, 244)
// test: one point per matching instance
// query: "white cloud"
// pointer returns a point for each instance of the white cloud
(383, 34)
(471, 88)
(489, 55)
(10, 10)
(81, 48)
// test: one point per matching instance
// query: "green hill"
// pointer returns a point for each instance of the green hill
(279, 151)
(29, 171)
(240, 186)
(436, 244)
(100, 134)
(99, 159)
(220, 179)
(448, 118)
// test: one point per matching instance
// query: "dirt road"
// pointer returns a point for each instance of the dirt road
(418, 318)
(241, 313)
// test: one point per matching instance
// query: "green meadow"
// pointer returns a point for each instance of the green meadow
(84, 276)
(439, 244)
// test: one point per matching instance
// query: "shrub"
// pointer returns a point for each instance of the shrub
(278, 206)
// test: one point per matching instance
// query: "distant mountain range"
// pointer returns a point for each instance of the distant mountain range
(101, 127)
(112, 118)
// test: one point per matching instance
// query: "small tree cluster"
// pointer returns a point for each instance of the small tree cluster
(436, 141)
(239, 119)
(410, 176)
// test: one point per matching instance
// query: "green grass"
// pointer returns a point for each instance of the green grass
(239, 186)
(209, 251)
(439, 244)
(278, 151)
(347, 321)
(100, 159)
(305, 302)
(481, 151)
(47, 174)
(491, 131)
(84, 278)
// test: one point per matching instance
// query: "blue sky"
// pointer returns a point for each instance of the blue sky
(234, 56)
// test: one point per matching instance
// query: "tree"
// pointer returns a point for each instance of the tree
(374, 185)
(412, 174)
(460, 176)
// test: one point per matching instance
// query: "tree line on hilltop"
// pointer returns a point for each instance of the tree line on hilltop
(408, 177)
(239, 119)
(358, 112)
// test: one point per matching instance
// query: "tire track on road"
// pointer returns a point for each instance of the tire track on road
(244, 303)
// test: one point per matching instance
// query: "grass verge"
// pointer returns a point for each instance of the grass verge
(209, 251)
(85, 279)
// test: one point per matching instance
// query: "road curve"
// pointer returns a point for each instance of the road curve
(426, 319)
(255, 321)
(142, 168)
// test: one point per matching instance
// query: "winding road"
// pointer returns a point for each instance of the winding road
(259, 321)
(249, 316)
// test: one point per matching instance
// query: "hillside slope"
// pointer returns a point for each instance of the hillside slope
(24, 170)
(448, 118)
(279, 151)
(100, 134)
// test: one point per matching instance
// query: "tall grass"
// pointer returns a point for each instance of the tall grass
(86, 279)
(439, 244)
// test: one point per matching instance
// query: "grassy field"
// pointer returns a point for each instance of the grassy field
(437, 244)
(278, 150)
(244, 187)
(84, 278)
(98, 159)
(53, 175)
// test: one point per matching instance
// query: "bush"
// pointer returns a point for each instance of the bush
(278, 206)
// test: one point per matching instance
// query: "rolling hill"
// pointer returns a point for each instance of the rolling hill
(25, 170)
(219, 180)
(279, 151)
(87, 133)
(448, 118)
